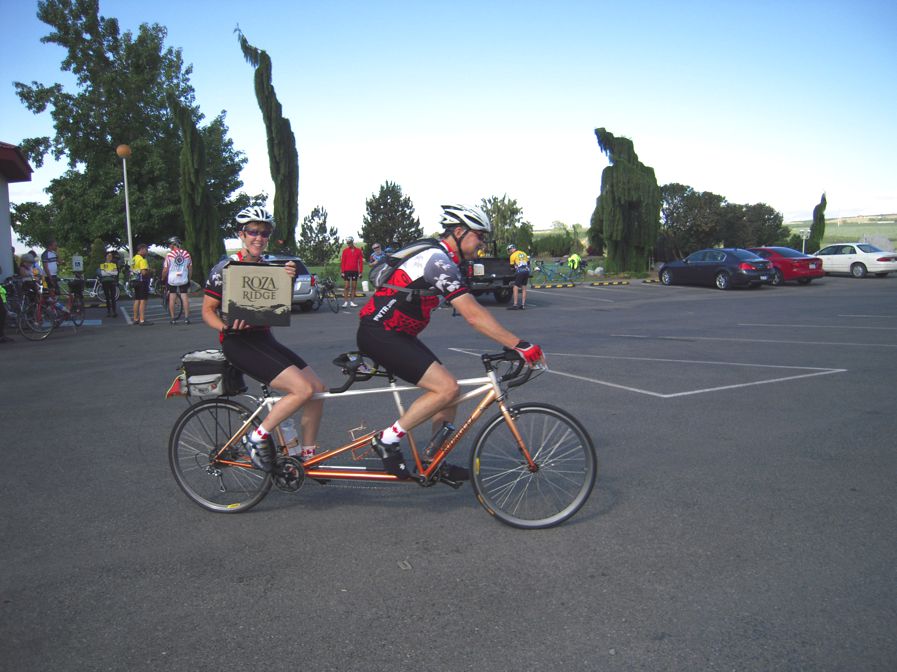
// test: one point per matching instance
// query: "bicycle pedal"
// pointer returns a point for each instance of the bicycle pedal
(451, 483)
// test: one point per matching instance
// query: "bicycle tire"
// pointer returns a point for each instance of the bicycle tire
(76, 314)
(31, 322)
(332, 301)
(563, 453)
(198, 433)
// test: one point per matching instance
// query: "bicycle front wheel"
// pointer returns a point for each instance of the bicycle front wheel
(77, 311)
(331, 301)
(550, 492)
(225, 483)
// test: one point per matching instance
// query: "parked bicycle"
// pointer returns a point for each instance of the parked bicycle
(325, 292)
(532, 465)
(545, 273)
(93, 291)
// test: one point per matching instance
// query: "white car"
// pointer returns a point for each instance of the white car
(858, 259)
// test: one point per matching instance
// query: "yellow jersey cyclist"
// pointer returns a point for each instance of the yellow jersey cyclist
(255, 351)
(394, 316)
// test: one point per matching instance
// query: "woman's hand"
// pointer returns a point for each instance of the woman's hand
(239, 325)
(291, 269)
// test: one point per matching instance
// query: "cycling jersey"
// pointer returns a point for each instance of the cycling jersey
(178, 263)
(409, 313)
(520, 260)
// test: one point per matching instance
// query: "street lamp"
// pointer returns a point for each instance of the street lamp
(804, 236)
(124, 151)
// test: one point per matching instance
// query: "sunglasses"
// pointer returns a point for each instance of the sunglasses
(254, 233)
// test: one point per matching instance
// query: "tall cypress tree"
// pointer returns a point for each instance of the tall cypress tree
(817, 228)
(202, 237)
(283, 159)
(628, 209)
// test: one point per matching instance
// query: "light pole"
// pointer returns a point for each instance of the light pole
(124, 151)
(804, 235)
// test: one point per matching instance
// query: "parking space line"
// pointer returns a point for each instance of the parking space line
(811, 372)
(700, 391)
(813, 326)
(753, 340)
(580, 298)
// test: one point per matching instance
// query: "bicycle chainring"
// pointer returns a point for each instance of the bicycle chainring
(289, 474)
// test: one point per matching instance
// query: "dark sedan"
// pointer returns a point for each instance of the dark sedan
(790, 264)
(722, 268)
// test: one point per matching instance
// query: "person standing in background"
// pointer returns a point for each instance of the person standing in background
(351, 265)
(141, 271)
(520, 261)
(176, 272)
(50, 264)
(108, 272)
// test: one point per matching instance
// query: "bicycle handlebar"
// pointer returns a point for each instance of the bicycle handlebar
(358, 368)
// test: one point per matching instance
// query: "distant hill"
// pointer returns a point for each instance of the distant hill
(848, 229)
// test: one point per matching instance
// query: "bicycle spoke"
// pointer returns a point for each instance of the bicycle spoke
(193, 455)
(559, 484)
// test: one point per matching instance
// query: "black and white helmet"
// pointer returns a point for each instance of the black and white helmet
(254, 214)
(463, 215)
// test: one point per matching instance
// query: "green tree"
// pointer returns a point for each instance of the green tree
(690, 219)
(318, 243)
(283, 159)
(507, 219)
(628, 209)
(95, 257)
(119, 97)
(596, 233)
(817, 228)
(202, 236)
(390, 218)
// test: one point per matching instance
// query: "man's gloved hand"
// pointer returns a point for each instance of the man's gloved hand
(531, 353)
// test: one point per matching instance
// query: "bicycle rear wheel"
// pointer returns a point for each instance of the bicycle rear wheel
(331, 301)
(566, 467)
(227, 483)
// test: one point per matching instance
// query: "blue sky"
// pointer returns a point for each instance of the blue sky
(770, 102)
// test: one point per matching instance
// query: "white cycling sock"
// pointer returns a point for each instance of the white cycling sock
(393, 434)
(260, 434)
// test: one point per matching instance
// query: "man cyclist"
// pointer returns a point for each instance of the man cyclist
(176, 272)
(253, 349)
(50, 264)
(574, 261)
(392, 319)
(520, 262)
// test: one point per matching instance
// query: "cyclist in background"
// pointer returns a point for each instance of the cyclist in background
(50, 263)
(392, 319)
(520, 261)
(140, 269)
(176, 271)
(108, 272)
(574, 261)
(351, 265)
(255, 351)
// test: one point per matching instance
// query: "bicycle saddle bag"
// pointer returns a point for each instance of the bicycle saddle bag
(207, 373)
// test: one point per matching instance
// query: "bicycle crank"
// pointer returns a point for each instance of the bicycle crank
(289, 475)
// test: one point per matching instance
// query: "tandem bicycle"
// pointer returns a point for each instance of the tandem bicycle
(532, 465)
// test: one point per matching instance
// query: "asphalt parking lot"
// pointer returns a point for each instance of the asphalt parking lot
(743, 518)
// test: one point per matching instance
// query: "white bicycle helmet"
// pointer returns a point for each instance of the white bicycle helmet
(254, 214)
(463, 215)
(512, 246)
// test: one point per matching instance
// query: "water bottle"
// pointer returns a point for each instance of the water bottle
(439, 437)
(290, 437)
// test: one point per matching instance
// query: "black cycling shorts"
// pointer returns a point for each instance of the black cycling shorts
(402, 354)
(141, 290)
(350, 275)
(259, 355)
(521, 278)
(179, 289)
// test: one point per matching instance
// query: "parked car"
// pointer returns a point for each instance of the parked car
(303, 286)
(720, 267)
(858, 259)
(790, 264)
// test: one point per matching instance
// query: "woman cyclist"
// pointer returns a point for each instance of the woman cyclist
(255, 351)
